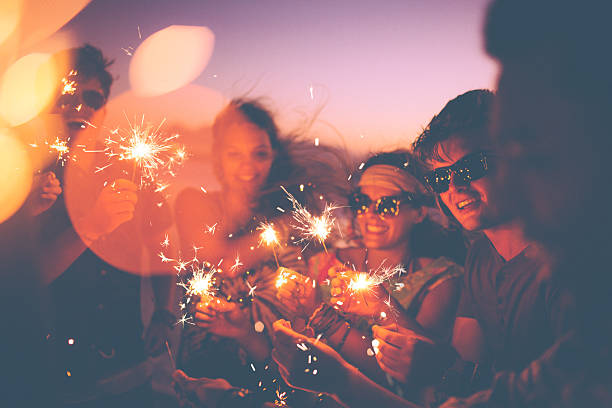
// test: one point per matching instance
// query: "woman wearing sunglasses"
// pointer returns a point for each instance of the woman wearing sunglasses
(393, 212)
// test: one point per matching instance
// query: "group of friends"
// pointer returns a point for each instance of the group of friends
(490, 232)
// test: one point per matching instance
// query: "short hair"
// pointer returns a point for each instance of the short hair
(89, 62)
(469, 111)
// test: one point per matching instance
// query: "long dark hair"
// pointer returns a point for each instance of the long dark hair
(428, 239)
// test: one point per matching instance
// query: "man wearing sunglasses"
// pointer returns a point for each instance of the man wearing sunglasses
(93, 229)
(508, 314)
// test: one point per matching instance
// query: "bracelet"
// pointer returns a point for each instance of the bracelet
(326, 320)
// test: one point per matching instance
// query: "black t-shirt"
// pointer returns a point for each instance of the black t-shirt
(519, 306)
(95, 325)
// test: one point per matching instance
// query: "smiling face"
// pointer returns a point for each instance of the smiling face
(388, 232)
(477, 205)
(82, 107)
(244, 155)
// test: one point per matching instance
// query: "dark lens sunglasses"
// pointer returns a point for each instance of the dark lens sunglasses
(469, 168)
(387, 206)
(93, 99)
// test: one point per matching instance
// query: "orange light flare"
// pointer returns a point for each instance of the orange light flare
(154, 154)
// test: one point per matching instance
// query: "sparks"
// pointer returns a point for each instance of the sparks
(268, 235)
(210, 229)
(152, 152)
(164, 258)
(251, 289)
(200, 284)
(236, 264)
(166, 242)
(185, 319)
(61, 147)
(311, 227)
(69, 85)
(283, 277)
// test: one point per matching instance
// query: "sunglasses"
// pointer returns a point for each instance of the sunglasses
(469, 168)
(387, 206)
(93, 99)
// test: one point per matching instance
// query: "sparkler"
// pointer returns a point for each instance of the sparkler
(201, 283)
(364, 282)
(62, 149)
(312, 227)
(153, 153)
(269, 237)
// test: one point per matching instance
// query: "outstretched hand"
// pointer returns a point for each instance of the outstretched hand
(222, 318)
(114, 206)
(396, 349)
(366, 302)
(307, 363)
(297, 293)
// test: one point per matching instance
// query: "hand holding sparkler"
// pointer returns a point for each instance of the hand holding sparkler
(296, 292)
(399, 351)
(45, 190)
(223, 318)
(115, 205)
(359, 293)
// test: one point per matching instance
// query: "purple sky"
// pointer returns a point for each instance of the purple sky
(383, 68)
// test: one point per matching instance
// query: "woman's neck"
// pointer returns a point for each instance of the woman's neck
(237, 211)
(387, 256)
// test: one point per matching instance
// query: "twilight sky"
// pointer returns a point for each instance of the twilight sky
(379, 70)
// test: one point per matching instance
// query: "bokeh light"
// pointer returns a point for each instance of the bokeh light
(16, 173)
(170, 58)
(27, 87)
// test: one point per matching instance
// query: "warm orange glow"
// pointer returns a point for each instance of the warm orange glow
(16, 171)
(27, 87)
(10, 13)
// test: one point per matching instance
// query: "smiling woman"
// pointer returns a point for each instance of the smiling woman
(252, 161)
